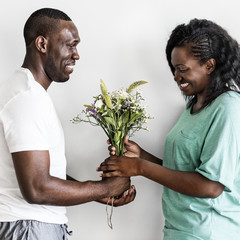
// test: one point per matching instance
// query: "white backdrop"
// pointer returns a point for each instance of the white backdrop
(121, 41)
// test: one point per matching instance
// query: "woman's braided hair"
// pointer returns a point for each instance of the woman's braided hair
(209, 40)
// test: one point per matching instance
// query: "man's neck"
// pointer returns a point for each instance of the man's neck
(38, 74)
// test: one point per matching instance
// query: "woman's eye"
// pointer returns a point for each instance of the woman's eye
(182, 70)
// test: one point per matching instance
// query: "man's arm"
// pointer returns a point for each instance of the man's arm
(39, 187)
(127, 197)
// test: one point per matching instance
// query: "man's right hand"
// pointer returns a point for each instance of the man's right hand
(117, 185)
(127, 197)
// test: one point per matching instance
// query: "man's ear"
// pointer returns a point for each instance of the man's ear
(41, 44)
(210, 65)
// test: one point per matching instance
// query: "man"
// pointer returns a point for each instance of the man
(33, 185)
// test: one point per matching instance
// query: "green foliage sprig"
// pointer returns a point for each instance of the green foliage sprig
(118, 113)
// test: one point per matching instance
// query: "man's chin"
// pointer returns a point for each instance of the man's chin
(63, 80)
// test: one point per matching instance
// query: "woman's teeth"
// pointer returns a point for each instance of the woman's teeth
(184, 84)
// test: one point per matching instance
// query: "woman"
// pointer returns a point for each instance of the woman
(200, 170)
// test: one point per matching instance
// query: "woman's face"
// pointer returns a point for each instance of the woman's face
(192, 78)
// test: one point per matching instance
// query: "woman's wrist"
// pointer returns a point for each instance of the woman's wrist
(138, 166)
(143, 154)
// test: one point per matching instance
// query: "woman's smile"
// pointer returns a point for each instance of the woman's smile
(183, 86)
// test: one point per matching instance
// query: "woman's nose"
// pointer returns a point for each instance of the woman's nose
(177, 78)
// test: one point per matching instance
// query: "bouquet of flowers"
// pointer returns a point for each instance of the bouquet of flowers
(119, 113)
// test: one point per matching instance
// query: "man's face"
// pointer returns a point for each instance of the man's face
(62, 52)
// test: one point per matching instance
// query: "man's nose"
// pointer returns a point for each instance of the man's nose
(75, 55)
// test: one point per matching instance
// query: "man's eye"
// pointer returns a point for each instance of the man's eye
(72, 45)
(182, 70)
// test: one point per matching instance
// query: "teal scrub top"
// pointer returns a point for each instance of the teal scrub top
(207, 142)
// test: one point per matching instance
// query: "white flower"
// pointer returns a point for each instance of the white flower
(120, 94)
(138, 91)
(98, 103)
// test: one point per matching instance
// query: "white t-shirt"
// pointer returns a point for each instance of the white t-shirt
(28, 121)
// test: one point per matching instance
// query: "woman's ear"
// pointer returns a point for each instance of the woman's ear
(41, 44)
(210, 65)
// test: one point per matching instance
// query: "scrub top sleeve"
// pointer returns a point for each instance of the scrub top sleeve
(220, 152)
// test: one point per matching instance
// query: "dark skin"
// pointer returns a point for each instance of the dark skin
(193, 79)
(51, 59)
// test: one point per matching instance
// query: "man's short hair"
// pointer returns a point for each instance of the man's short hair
(43, 22)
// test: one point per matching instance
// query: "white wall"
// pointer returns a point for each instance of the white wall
(121, 41)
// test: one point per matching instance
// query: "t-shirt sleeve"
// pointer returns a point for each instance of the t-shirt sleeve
(220, 152)
(25, 122)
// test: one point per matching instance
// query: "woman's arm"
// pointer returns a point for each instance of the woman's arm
(132, 149)
(188, 183)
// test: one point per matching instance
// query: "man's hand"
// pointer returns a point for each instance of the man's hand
(117, 185)
(127, 197)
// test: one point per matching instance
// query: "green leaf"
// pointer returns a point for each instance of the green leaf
(134, 85)
(134, 117)
(89, 106)
(117, 137)
(110, 120)
(110, 113)
(124, 117)
(105, 94)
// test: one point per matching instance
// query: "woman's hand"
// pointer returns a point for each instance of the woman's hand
(120, 166)
(131, 149)
(127, 197)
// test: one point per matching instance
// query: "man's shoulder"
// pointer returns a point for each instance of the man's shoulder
(15, 84)
(20, 85)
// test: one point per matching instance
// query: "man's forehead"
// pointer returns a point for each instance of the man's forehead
(69, 31)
